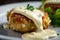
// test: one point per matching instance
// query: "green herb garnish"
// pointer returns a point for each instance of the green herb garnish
(54, 16)
(48, 9)
(57, 17)
(29, 7)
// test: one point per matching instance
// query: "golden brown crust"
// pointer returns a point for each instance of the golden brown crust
(21, 23)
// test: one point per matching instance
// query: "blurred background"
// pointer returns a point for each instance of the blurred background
(2, 2)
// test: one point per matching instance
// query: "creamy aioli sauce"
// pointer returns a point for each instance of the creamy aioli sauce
(40, 35)
(36, 17)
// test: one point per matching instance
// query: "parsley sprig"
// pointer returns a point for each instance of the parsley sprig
(29, 7)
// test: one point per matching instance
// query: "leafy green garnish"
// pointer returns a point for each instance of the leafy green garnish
(54, 16)
(57, 14)
(58, 10)
(57, 17)
(29, 7)
(48, 9)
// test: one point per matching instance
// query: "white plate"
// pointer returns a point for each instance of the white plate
(5, 8)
